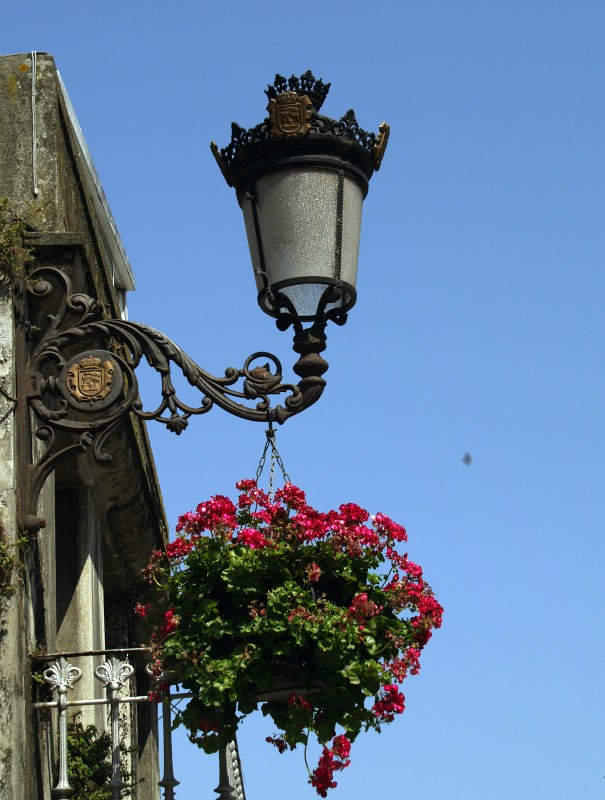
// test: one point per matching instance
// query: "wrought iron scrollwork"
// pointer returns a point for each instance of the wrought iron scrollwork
(81, 377)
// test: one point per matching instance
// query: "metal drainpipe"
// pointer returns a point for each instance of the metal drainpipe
(35, 188)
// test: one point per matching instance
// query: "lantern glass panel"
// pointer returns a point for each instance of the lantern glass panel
(299, 230)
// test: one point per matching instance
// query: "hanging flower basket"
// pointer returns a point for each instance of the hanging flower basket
(315, 617)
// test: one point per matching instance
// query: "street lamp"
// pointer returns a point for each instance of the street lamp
(300, 179)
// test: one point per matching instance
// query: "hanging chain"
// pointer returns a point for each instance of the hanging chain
(274, 459)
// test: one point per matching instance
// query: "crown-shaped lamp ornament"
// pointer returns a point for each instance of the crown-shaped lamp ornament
(300, 179)
(315, 89)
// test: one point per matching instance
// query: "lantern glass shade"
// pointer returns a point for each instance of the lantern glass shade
(303, 226)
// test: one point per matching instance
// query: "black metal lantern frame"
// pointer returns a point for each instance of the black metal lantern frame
(76, 368)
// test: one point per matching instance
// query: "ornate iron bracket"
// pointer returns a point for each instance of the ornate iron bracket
(77, 375)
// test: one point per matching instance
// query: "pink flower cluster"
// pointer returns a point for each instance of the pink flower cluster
(298, 701)
(313, 572)
(331, 760)
(301, 613)
(412, 590)
(252, 495)
(179, 548)
(141, 610)
(399, 667)
(386, 525)
(364, 609)
(218, 512)
(287, 517)
(351, 512)
(251, 538)
(170, 624)
(391, 702)
(292, 496)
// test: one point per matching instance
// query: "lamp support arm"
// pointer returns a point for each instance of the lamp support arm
(78, 377)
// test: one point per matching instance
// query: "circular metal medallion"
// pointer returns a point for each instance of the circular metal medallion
(92, 380)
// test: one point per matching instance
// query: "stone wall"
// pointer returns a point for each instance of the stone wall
(101, 521)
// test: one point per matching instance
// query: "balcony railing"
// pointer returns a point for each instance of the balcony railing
(114, 672)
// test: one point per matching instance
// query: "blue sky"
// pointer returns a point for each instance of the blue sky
(478, 328)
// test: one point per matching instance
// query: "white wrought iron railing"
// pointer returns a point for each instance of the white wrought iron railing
(114, 674)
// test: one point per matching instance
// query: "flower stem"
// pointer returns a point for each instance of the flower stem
(305, 753)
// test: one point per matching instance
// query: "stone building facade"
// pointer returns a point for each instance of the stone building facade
(78, 551)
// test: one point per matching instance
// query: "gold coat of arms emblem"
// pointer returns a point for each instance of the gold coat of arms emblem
(90, 379)
(290, 114)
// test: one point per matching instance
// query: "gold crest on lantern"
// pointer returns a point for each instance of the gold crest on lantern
(290, 114)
